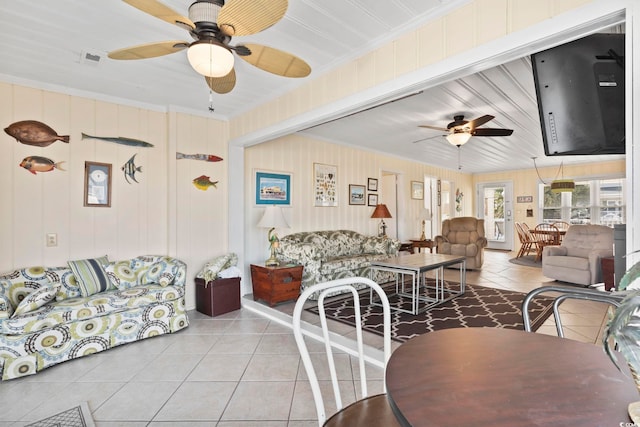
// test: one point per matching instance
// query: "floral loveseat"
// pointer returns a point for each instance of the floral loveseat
(333, 254)
(52, 314)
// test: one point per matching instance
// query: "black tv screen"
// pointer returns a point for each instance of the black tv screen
(580, 92)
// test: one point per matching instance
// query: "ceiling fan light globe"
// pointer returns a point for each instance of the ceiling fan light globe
(458, 138)
(210, 58)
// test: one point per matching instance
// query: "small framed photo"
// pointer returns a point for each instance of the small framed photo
(97, 184)
(417, 190)
(372, 184)
(373, 200)
(356, 194)
(273, 188)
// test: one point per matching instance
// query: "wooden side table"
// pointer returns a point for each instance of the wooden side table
(607, 266)
(276, 284)
(417, 244)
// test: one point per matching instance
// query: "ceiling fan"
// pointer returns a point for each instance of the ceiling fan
(212, 23)
(461, 130)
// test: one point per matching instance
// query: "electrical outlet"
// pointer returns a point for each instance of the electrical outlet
(52, 239)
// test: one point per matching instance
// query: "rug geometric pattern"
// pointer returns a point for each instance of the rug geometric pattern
(80, 416)
(479, 306)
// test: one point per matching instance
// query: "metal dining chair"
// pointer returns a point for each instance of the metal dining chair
(369, 410)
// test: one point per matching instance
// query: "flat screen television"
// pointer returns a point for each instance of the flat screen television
(580, 92)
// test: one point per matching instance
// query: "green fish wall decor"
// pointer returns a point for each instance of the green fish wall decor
(203, 183)
(119, 140)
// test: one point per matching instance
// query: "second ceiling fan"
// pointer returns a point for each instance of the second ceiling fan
(461, 130)
(212, 23)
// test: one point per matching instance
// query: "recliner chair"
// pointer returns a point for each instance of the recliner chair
(463, 236)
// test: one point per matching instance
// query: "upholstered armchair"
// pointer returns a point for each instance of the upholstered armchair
(577, 258)
(463, 236)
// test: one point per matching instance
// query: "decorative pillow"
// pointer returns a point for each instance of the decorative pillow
(90, 275)
(121, 275)
(375, 245)
(162, 273)
(6, 309)
(68, 284)
(19, 283)
(36, 300)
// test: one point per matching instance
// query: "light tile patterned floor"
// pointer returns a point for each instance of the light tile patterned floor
(239, 369)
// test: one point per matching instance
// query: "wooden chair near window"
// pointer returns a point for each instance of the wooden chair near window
(527, 242)
(545, 234)
(563, 226)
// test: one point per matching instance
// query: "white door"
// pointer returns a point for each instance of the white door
(495, 206)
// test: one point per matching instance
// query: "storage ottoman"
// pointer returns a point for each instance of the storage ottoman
(217, 297)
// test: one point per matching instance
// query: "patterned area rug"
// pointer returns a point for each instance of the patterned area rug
(478, 307)
(79, 416)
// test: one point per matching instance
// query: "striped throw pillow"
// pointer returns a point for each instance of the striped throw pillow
(90, 275)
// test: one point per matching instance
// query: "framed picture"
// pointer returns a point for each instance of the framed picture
(273, 188)
(356, 194)
(372, 184)
(417, 190)
(373, 200)
(325, 184)
(97, 184)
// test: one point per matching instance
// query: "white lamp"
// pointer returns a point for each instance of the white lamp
(273, 218)
(210, 58)
(458, 138)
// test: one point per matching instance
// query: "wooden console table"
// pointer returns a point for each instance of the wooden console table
(417, 244)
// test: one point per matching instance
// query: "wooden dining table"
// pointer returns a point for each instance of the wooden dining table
(502, 377)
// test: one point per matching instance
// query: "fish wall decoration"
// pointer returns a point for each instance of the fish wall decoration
(203, 183)
(130, 169)
(40, 164)
(119, 140)
(203, 157)
(32, 132)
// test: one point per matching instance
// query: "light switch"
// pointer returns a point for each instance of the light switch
(52, 239)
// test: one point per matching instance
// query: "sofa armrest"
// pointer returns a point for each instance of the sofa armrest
(177, 267)
(394, 247)
(553, 250)
(482, 242)
(440, 240)
(6, 309)
(595, 264)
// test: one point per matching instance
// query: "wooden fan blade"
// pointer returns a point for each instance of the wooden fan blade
(491, 132)
(149, 50)
(160, 11)
(434, 128)
(479, 121)
(276, 61)
(222, 84)
(244, 17)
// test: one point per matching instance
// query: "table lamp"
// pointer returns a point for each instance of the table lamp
(381, 212)
(271, 219)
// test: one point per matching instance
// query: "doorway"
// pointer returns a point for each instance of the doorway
(495, 206)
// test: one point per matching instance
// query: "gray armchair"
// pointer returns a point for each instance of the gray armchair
(577, 258)
(463, 236)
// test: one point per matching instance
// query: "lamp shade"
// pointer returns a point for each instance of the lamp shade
(210, 58)
(273, 218)
(458, 138)
(381, 211)
(562, 185)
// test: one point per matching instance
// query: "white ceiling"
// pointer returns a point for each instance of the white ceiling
(43, 43)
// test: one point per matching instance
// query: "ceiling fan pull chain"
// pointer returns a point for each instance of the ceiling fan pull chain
(459, 163)
(211, 109)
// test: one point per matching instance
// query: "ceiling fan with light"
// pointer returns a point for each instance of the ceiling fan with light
(212, 24)
(461, 130)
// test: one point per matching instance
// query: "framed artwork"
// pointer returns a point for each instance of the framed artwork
(356, 194)
(325, 184)
(372, 184)
(373, 200)
(273, 188)
(417, 190)
(97, 184)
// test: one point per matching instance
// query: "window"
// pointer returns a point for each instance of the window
(592, 202)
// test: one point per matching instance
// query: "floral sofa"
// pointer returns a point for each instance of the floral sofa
(333, 254)
(52, 314)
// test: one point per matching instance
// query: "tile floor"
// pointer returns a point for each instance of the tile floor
(238, 369)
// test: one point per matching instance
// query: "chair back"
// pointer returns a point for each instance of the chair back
(349, 286)
(521, 233)
(546, 234)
